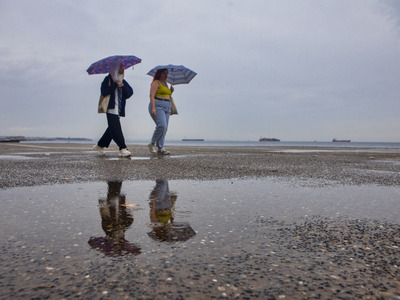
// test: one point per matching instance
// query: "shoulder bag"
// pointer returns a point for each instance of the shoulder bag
(174, 111)
(103, 102)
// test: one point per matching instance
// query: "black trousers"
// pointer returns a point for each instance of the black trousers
(113, 132)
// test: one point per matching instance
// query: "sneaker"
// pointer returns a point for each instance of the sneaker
(99, 149)
(124, 152)
(162, 151)
(152, 148)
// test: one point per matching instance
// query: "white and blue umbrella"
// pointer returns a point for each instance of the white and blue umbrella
(176, 74)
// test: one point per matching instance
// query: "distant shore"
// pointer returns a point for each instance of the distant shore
(29, 164)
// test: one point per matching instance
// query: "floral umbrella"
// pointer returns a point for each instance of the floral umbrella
(103, 65)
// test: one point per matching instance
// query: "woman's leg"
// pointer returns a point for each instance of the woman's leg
(162, 139)
(115, 130)
(161, 125)
(105, 140)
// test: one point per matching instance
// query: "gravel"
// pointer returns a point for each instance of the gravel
(61, 163)
(311, 258)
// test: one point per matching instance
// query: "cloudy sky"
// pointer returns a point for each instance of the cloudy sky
(298, 70)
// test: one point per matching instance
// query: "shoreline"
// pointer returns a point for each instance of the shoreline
(32, 164)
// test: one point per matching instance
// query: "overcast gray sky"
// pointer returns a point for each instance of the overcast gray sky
(298, 70)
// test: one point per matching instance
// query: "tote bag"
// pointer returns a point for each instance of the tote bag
(103, 104)
(174, 111)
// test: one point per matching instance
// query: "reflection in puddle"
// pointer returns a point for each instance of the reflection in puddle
(115, 220)
(117, 217)
(253, 238)
(165, 228)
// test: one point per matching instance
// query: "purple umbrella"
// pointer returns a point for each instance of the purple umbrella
(102, 66)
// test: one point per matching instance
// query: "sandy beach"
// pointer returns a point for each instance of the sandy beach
(37, 164)
(265, 223)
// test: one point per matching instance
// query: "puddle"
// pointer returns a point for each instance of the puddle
(15, 157)
(390, 162)
(143, 158)
(127, 158)
(303, 150)
(81, 232)
(139, 209)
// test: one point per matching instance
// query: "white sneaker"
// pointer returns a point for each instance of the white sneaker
(124, 152)
(99, 149)
(152, 148)
(162, 151)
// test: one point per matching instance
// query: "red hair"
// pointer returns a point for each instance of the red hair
(158, 74)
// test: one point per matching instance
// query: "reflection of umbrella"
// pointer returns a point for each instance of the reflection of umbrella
(102, 66)
(175, 232)
(176, 74)
(108, 247)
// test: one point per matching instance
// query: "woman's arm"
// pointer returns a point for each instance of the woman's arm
(107, 89)
(153, 90)
(127, 90)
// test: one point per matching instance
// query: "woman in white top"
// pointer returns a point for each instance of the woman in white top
(119, 90)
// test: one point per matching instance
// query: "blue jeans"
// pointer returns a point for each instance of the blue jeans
(163, 111)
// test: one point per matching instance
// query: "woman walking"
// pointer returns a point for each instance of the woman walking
(119, 90)
(160, 110)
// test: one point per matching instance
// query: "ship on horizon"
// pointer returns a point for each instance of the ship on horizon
(192, 140)
(264, 139)
(11, 139)
(340, 141)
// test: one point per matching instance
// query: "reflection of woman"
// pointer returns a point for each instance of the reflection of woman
(115, 220)
(164, 227)
(119, 90)
(160, 110)
(161, 203)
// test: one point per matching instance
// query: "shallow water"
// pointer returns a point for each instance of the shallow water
(74, 208)
(65, 231)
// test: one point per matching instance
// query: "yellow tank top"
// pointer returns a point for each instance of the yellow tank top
(163, 91)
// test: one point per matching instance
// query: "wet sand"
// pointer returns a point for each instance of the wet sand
(38, 164)
(247, 247)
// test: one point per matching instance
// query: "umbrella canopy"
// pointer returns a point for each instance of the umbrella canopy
(103, 65)
(108, 247)
(176, 74)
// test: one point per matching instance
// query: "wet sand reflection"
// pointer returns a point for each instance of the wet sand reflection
(255, 238)
(162, 216)
(115, 220)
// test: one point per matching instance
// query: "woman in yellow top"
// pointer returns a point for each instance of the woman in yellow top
(160, 110)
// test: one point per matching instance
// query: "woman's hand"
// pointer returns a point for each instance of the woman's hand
(120, 84)
(153, 111)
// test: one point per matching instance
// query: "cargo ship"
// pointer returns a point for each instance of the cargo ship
(192, 140)
(340, 141)
(263, 139)
(11, 139)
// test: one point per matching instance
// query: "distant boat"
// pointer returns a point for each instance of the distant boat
(341, 141)
(192, 140)
(11, 139)
(269, 140)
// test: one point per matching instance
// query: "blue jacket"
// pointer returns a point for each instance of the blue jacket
(108, 88)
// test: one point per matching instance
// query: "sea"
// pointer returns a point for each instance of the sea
(221, 143)
(228, 143)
